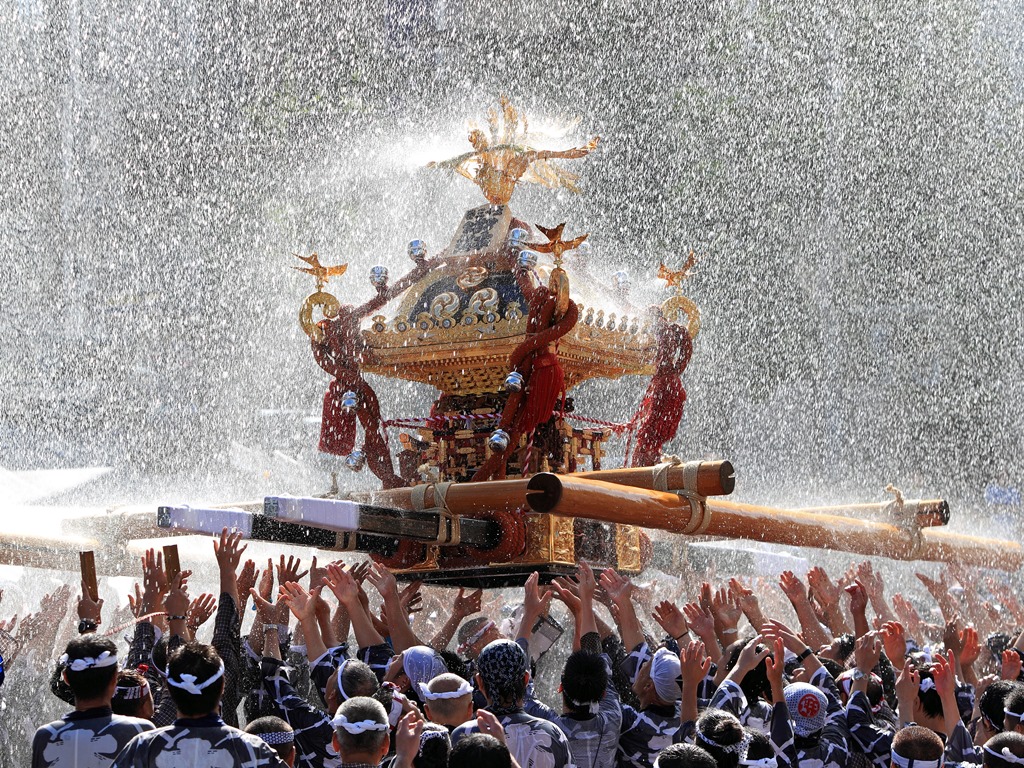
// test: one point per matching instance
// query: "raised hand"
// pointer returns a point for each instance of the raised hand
(383, 580)
(747, 601)
(751, 655)
(176, 604)
(567, 591)
(288, 570)
(488, 723)
(246, 580)
(200, 611)
(907, 614)
(343, 585)
(894, 641)
(268, 612)
(1011, 665)
(227, 550)
(827, 593)
(410, 598)
(301, 602)
(616, 586)
(792, 587)
(858, 598)
(775, 667)
(671, 619)
(586, 583)
(467, 605)
(89, 609)
(939, 590)
(154, 578)
(407, 739)
(700, 621)
(908, 683)
(867, 651)
(694, 663)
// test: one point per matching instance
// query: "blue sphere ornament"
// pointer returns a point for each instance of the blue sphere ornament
(355, 460)
(498, 441)
(349, 402)
(513, 382)
(517, 238)
(527, 259)
(379, 276)
(417, 250)
(584, 250)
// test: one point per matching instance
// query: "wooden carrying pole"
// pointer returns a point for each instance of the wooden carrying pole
(710, 478)
(714, 517)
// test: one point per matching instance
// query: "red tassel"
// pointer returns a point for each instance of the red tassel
(546, 385)
(337, 428)
(663, 410)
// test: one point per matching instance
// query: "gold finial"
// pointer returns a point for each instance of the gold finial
(556, 246)
(318, 270)
(505, 153)
(674, 278)
(679, 307)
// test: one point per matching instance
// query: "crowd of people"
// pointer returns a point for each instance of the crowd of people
(335, 670)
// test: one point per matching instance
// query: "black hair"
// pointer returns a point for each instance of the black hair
(133, 682)
(1014, 700)
(845, 646)
(992, 703)
(434, 750)
(470, 628)
(203, 662)
(717, 731)
(832, 666)
(759, 746)
(355, 710)
(92, 682)
(1011, 741)
(915, 742)
(454, 664)
(584, 680)
(358, 679)
(273, 724)
(930, 700)
(685, 756)
(479, 749)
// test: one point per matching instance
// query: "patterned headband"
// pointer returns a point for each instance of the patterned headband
(426, 736)
(105, 659)
(276, 737)
(738, 748)
(458, 693)
(187, 682)
(132, 692)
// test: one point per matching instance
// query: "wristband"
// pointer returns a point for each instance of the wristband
(730, 631)
(85, 626)
(176, 618)
(804, 654)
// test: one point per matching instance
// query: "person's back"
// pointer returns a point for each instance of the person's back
(503, 676)
(199, 737)
(92, 735)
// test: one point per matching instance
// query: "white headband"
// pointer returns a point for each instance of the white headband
(188, 682)
(356, 728)
(908, 762)
(105, 659)
(764, 762)
(739, 747)
(341, 688)
(1011, 713)
(927, 684)
(458, 693)
(488, 625)
(1006, 755)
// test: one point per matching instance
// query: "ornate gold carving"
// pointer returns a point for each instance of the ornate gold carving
(471, 278)
(627, 547)
(538, 539)
(563, 542)
(329, 306)
(507, 155)
(679, 306)
(483, 307)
